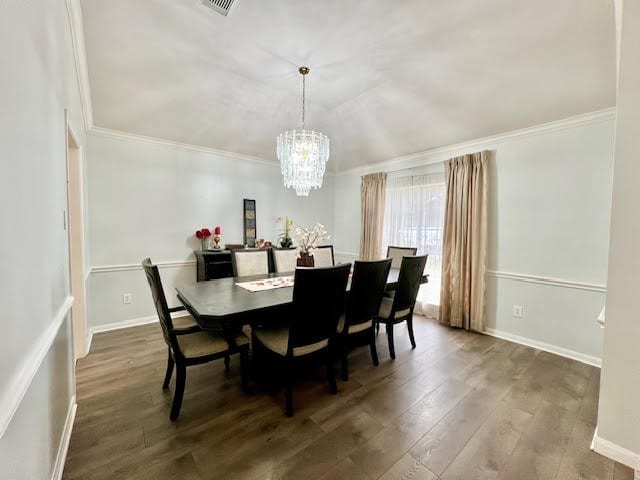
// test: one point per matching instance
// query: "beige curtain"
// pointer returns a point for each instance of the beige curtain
(372, 192)
(464, 243)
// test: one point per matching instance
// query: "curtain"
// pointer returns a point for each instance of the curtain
(464, 253)
(414, 217)
(372, 193)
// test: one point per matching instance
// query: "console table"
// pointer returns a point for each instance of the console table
(212, 264)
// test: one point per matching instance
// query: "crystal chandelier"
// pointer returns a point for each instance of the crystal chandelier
(303, 154)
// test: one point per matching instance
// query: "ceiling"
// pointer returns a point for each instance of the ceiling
(388, 78)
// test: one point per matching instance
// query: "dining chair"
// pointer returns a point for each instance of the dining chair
(250, 262)
(318, 299)
(356, 324)
(285, 259)
(190, 347)
(396, 254)
(323, 256)
(399, 308)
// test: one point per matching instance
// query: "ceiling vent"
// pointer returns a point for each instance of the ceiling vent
(220, 6)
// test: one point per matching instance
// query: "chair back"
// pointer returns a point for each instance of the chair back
(160, 302)
(411, 272)
(323, 256)
(250, 262)
(318, 300)
(285, 259)
(367, 288)
(396, 254)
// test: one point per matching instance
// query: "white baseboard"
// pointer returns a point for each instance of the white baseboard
(547, 347)
(134, 322)
(616, 452)
(63, 448)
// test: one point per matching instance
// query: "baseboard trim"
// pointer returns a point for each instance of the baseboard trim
(547, 347)
(63, 448)
(616, 452)
(134, 322)
(18, 386)
(551, 281)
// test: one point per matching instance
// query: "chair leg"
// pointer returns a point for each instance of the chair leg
(244, 367)
(392, 350)
(377, 327)
(167, 376)
(374, 350)
(331, 374)
(288, 389)
(344, 366)
(410, 328)
(227, 360)
(181, 376)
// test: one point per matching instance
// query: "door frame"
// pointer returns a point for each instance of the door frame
(75, 232)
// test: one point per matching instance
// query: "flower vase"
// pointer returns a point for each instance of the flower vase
(305, 260)
(204, 243)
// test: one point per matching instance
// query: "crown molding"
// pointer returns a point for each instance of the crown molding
(120, 135)
(76, 27)
(434, 155)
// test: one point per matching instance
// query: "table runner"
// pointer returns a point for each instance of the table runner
(267, 284)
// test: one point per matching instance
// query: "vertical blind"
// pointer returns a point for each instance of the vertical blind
(414, 217)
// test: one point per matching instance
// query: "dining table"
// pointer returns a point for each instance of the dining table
(222, 304)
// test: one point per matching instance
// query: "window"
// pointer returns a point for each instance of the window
(414, 217)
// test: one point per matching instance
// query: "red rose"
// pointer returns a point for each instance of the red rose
(199, 234)
(206, 232)
(217, 230)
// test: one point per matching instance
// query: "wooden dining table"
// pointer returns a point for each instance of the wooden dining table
(220, 304)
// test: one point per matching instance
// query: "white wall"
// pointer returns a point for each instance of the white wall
(37, 83)
(618, 413)
(550, 196)
(147, 199)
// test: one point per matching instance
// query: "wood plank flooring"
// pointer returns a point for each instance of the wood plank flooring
(460, 406)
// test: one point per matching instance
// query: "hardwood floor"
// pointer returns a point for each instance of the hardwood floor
(460, 406)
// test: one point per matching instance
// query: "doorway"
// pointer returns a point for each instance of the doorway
(75, 229)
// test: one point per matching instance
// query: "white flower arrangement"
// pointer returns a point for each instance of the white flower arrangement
(307, 240)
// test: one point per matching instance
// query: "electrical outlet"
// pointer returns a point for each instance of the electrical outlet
(127, 298)
(518, 311)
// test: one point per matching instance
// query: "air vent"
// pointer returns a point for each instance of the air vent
(220, 6)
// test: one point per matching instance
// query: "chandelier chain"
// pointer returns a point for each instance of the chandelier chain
(303, 99)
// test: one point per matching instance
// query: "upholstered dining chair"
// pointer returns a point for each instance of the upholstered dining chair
(356, 324)
(396, 254)
(318, 299)
(285, 259)
(323, 256)
(250, 262)
(189, 347)
(399, 308)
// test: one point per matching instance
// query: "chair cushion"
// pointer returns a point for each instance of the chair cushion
(200, 344)
(185, 322)
(277, 340)
(385, 309)
(354, 328)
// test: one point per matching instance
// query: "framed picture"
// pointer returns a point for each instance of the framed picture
(249, 214)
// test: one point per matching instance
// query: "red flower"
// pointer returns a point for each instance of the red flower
(217, 230)
(203, 233)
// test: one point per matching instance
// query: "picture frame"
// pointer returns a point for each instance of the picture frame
(249, 222)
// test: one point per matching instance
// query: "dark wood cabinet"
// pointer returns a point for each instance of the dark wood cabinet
(211, 265)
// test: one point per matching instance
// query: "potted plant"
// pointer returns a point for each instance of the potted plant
(307, 240)
(285, 236)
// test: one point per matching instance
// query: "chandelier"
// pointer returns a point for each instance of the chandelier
(303, 154)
